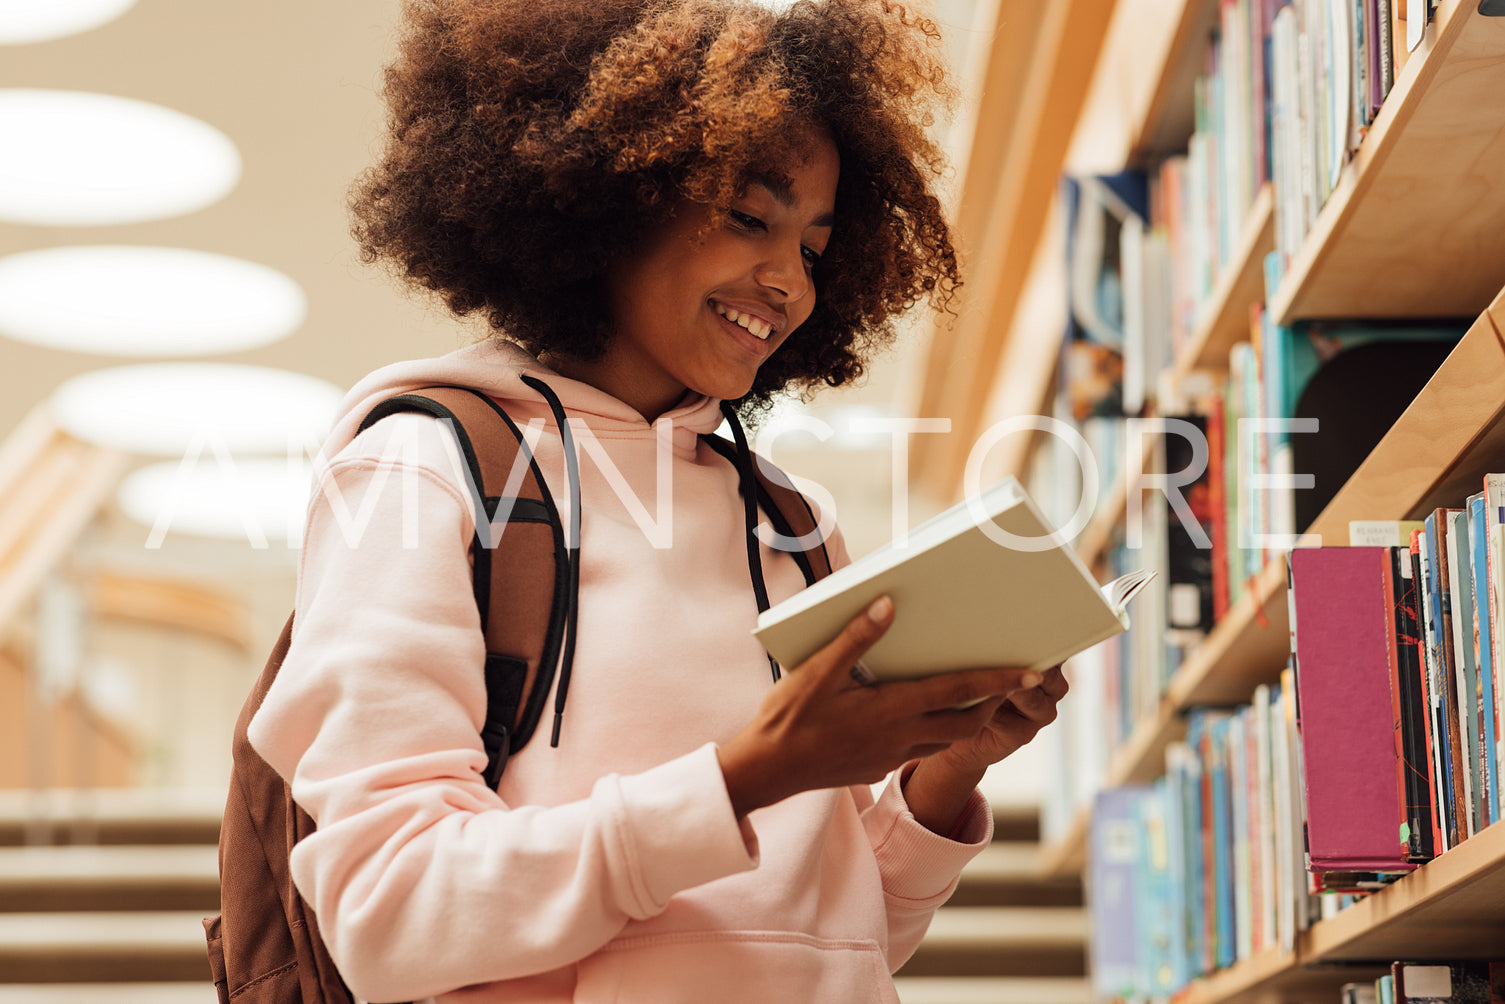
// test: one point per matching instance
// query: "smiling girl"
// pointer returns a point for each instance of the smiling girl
(658, 205)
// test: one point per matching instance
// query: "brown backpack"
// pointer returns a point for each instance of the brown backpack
(264, 946)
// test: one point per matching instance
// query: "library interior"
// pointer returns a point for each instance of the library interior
(1233, 314)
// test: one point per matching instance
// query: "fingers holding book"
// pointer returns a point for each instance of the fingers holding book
(818, 729)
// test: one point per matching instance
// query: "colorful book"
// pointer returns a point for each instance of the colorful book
(1224, 942)
(1478, 541)
(1451, 725)
(1466, 670)
(1429, 702)
(1217, 486)
(1341, 603)
(1410, 712)
(1441, 982)
(1494, 518)
(1115, 845)
(1241, 884)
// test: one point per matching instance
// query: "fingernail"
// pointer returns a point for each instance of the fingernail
(880, 610)
(1030, 680)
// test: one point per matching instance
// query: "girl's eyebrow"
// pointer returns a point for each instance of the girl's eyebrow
(780, 190)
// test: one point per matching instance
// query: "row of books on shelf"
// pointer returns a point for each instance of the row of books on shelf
(1331, 65)
(1199, 869)
(1464, 982)
(1290, 88)
(1244, 465)
(1418, 630)
(1375, 751)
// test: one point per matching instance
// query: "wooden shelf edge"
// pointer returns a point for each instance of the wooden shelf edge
(1243, 977)
(1149, 137)
(1264, 600)
(1450, 430)
(1225, 318)
(1366, 163)
(1343, 936)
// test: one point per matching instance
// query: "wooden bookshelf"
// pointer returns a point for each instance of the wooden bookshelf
(1416, 224)
(1225, 318)
(1436, 454)
(1415, 228)
(1452, 907)
(1224, 322)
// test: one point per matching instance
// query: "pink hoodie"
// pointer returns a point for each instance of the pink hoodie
(611, 868)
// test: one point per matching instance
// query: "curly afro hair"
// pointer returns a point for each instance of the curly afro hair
(532, 143)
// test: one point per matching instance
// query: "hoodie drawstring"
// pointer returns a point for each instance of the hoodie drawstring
(572, 544)
(748, 484)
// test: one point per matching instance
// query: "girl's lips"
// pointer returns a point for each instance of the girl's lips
(758, 346)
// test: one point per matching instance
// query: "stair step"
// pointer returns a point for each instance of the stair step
(158, 946)
(1019, 823)
(1003, 941)
(1007, 873)
(195, 992)
(984, 990)
(110, 816)
(50, 879)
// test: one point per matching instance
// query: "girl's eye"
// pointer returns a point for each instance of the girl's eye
(812, 256)
(745, 221)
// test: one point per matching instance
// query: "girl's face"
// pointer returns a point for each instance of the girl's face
(700, 310)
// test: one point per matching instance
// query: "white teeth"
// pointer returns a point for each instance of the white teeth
(755, 327)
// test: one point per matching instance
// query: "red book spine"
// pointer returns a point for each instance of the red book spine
(1217, 486)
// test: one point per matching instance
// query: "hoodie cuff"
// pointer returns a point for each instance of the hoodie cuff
(679, 829)
(920, 867)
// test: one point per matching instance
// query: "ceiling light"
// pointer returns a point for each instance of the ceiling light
(40, 20)
(257, 500)
(173, 409)
(145, 301)
(74, 158)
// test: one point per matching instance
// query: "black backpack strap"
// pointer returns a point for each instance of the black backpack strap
(521, 571)
(761, 484)
(786, 507)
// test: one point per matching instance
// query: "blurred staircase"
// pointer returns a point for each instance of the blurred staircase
(101, 897)
(1008, 935)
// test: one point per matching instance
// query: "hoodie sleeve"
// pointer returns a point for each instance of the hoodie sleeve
(423, 880)
(920, 869)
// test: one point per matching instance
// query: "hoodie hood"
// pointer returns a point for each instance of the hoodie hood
(495, 367)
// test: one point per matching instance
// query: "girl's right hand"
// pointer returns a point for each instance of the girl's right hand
(819, 728)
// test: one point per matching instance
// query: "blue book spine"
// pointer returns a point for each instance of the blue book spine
(1155, 892)
(1479, 549)
(1196, 866)
(1222, 840)
(1115, 846)
(1173, 789)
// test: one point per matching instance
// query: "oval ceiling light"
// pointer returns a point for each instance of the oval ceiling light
(74, 158)
(172, 409)
(23, 21)
(145, 301)
(256, 500)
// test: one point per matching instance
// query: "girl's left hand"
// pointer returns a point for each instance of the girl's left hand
(1015, 723)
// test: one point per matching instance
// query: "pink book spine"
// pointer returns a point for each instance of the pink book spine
(1340, 610)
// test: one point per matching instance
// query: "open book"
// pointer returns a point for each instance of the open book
(966, 595)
